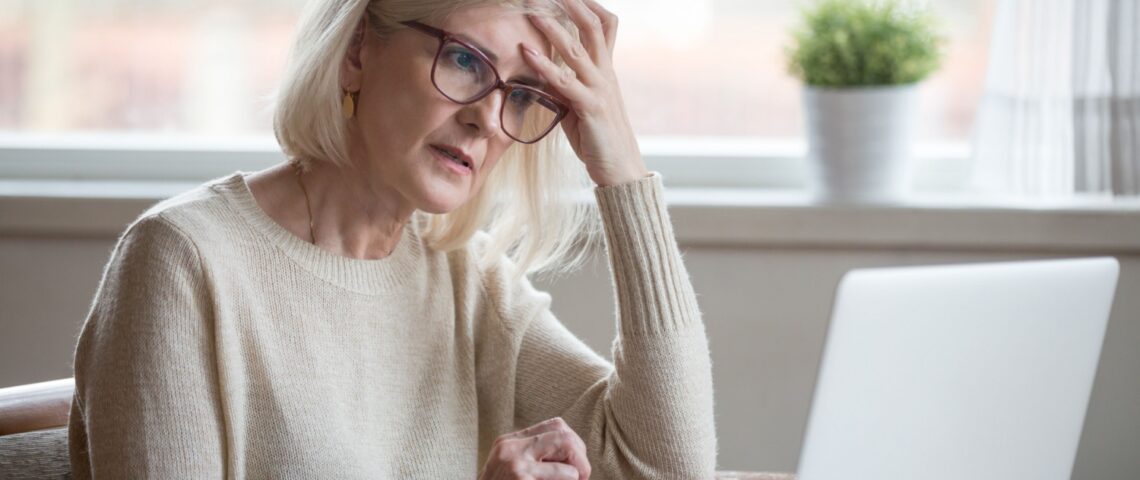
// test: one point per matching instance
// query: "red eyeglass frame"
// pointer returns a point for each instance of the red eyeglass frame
(444, 37)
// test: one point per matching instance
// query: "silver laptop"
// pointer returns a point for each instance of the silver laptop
(978, 371)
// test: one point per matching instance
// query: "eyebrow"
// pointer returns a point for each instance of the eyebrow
(523, 79)
(486, 51)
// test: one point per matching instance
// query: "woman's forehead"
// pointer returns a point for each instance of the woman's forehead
(496, 29)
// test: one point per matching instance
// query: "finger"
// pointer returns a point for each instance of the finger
(609, 22)
(554, 471)
(589, 29)
(564, 80)
(548, 425)
(562, 445)
(570, 48)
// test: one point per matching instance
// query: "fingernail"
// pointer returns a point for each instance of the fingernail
(529, 50)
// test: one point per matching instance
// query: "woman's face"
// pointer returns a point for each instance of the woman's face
(403, 124)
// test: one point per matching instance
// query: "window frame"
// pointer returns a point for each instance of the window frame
(697, 162)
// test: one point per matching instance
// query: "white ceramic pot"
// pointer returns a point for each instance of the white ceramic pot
(859, 142)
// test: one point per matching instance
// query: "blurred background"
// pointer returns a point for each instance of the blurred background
(206, 67)
(108, 106)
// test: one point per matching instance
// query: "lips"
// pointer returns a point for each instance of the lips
(456, 155)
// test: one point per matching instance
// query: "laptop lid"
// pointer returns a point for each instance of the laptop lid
(961, 371)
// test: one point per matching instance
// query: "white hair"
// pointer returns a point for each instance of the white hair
(531, 204)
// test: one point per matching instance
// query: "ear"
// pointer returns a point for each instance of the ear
(351, 66)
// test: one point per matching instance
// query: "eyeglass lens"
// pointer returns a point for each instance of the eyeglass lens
(464, 76)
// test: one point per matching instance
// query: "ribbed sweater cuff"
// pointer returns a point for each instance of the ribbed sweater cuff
(653, 290)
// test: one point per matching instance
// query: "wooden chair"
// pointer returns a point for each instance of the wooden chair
(33, 430)
(33, 433)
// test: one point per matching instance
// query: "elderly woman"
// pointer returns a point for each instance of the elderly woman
(362, 310)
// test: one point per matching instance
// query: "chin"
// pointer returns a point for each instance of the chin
(439, 195)
(438, 209)
(443, 203)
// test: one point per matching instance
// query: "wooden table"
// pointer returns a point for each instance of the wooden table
(754, 476)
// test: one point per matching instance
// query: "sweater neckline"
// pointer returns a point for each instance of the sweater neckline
(358, 275)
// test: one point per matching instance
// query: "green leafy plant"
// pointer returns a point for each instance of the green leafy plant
(857, 43)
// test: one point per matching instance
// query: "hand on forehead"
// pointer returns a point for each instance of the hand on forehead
(497, 30)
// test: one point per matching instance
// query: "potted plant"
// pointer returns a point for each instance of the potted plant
(861, 63)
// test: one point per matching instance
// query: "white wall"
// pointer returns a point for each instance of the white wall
(766, 304)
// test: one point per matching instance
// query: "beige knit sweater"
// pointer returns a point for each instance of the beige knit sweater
(220, 345)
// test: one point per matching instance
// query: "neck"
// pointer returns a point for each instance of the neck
(350, 216)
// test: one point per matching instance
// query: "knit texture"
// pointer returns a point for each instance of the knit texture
(221, 345)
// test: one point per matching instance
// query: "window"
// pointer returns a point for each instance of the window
(172, 66)
(717, 67)
(694, 71)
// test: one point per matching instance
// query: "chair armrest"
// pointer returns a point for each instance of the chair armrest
(35, 406)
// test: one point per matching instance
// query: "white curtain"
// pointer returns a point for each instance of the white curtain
(1061, 112)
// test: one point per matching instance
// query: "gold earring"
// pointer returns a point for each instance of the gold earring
(347, 106)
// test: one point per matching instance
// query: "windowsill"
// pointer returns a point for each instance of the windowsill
(744, 218)
(721, 192)
(957, 221)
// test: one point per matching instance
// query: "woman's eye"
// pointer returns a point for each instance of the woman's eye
(464, 59)
(522, 97)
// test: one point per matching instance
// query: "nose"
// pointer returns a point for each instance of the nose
(482, 116)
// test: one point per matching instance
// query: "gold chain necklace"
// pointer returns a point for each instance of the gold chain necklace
(312, 235)
(309, 208)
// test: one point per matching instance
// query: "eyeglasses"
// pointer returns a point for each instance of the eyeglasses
(465, 75)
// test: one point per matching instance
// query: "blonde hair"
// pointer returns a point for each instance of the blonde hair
(531, 204)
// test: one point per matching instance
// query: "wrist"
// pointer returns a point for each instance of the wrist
(628, 175)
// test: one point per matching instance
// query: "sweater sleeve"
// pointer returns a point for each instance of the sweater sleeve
(650, 414)
(146, 400)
